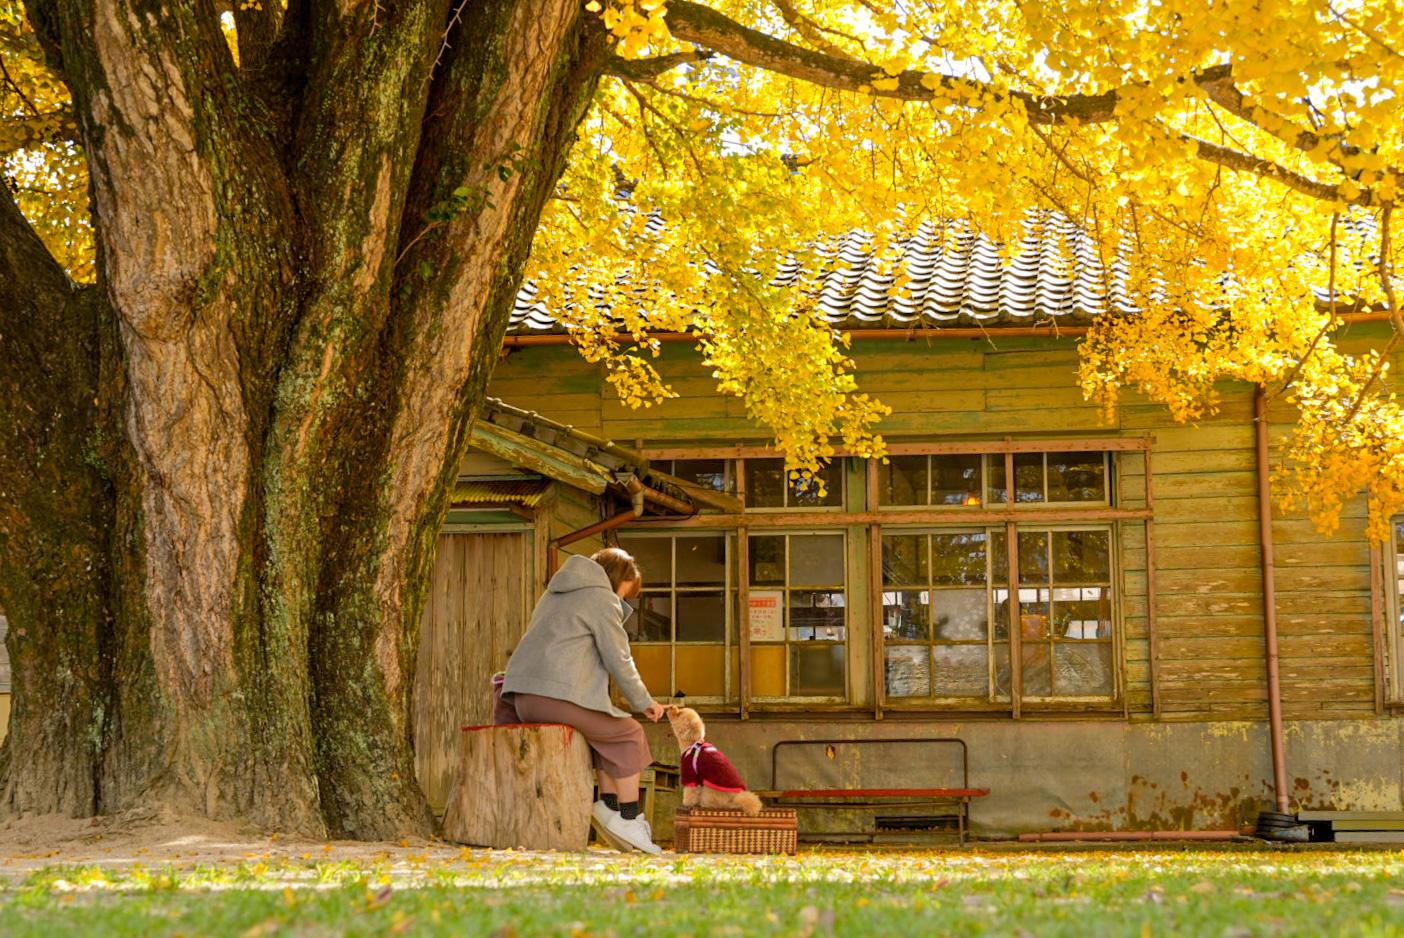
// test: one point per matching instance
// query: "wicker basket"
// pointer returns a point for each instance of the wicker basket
(702, 830)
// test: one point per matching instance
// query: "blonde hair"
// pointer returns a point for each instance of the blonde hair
(619, 566)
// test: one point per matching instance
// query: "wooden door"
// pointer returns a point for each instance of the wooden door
(480, 598)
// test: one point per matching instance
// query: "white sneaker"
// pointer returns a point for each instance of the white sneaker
(601, 816)
(635, 832)
(602, 812)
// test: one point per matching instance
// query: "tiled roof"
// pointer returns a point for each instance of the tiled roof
(953, 276)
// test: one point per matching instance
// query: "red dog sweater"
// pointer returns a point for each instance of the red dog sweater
(704, 764)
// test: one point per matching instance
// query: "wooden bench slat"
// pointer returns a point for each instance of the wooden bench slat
(878, 793)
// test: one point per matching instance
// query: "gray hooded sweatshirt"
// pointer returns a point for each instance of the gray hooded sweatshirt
(576, 642)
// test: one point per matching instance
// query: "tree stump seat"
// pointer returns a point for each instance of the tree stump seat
(524, 786)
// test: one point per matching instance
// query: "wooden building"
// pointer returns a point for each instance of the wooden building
(1129, 689)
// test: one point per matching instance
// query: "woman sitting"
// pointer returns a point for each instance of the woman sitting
(560, 673)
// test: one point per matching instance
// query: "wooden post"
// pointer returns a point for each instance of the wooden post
(1151, 630)
(743, 625)
(875, 607)
(1377, 624)
(526, 787)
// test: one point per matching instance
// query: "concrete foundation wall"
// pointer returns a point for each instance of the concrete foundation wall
(1082, 775)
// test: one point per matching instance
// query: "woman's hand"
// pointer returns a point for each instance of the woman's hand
(654, 712)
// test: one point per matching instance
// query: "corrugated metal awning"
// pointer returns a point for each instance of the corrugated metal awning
(527, 492)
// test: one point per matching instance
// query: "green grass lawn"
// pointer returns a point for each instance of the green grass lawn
(1230, 891)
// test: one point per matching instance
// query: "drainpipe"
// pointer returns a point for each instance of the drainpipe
(1071, 836)
(1279, 759)
(635, 510)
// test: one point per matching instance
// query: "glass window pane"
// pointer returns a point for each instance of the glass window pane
(816, 616)
(962, 671)
(767, 670)
(1001, 614)
(817, 670)
(1033, 614)
(1036, 674)
(765, 483)
(1033, 556)
(1081, 556)
(902, 481)
(816, 560)
(1083, 619)
(708, 473)
(652, 620)
(701, 617)
(1083, 670)
(905, 615)
(994, 479)
(805, 492)
(655, 557)
(908, 671)
(904, 559)
(655, 667)
(1001, 671)
(701, 560)
(1077, 477)
(958, 559)
(960, 615)
(999, 557)
(955, 480)
(700, 671)
(1028, 477)
(767, 559)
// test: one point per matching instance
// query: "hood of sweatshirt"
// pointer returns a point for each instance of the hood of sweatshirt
(579, 573)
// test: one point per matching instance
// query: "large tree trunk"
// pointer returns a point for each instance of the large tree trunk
(53, 553)
(237, 503)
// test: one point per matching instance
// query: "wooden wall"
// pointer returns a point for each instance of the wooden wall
(480, 598)
(1208, 661)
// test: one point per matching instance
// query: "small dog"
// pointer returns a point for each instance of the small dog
(709, 779)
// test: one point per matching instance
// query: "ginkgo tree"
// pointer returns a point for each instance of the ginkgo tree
(256, 263)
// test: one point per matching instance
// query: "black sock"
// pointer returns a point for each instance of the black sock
(611, 800)
(629, 810)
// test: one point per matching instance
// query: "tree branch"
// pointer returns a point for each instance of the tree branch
(1244, 162)
(649, 69)
(698, 24)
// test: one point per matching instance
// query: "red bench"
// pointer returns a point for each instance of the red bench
(958, 798)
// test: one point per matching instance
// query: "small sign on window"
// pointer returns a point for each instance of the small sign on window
(766, 609)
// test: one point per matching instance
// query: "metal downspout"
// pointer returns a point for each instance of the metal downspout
(1274, 688)
(632, 513)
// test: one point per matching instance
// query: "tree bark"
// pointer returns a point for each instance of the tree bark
(53, 579)
(521, 787)
(242, 438)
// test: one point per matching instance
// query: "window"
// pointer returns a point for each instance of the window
(974, 479)
(719, 475)
(931, 480)
(945, 601)
(4, 656)
(1064, 595)
(798, 615)
(1394, 586)
(682, 629)
(768, 485)
(937, 606)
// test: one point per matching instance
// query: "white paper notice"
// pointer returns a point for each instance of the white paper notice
(767, 615)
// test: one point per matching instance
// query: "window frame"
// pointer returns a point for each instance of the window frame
(992, 699)
(846, 643)
(730, 605)
(1392, 644)
(738, 473)
(986, 503)
(863, 520)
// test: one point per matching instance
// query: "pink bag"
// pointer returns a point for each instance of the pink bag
(503, 713)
